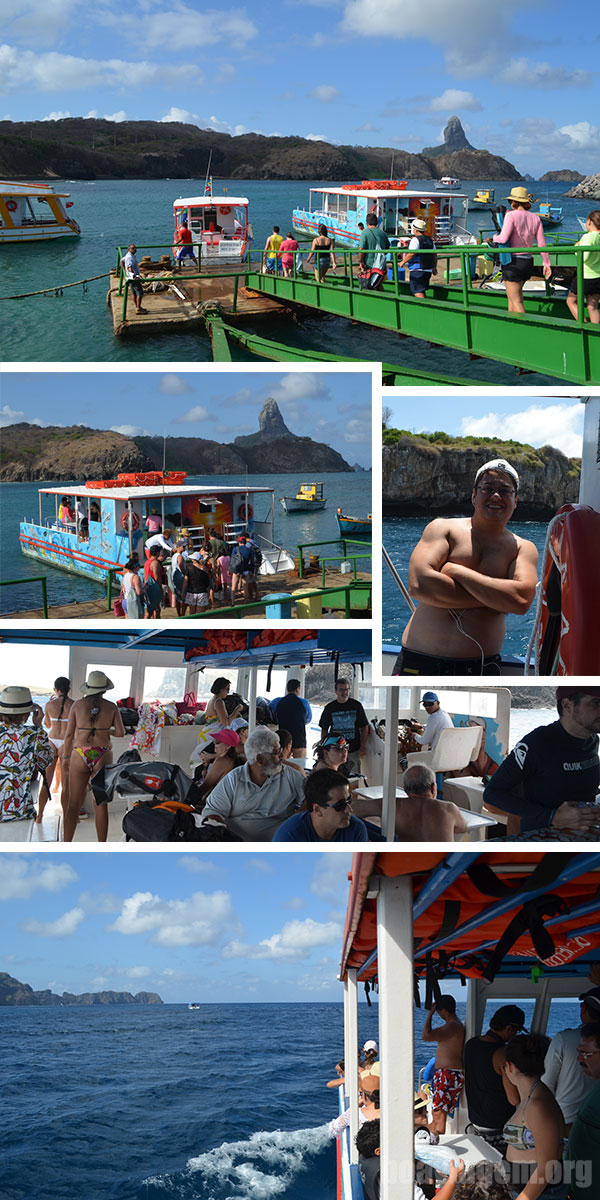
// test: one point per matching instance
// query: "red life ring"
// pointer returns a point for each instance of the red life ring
(245, 513)
(11, 205)
(135, 521)
(224, 210)
(567, 641)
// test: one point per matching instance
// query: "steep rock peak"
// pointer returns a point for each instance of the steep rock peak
(271, 422)
(454, 136)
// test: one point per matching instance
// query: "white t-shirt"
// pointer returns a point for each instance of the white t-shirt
(435, 723)
(158, 540)
(563, 1075)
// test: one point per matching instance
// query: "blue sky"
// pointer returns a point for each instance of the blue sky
(521, 75)
(205, 927)
(537, 420)
(330, 407)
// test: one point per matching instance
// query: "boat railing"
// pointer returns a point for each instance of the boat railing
(346, 555)
(268, 545)
(341, 591)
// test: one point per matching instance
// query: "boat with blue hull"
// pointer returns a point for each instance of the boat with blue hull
(550, 214)
(116, 511)
(351, 526)
(341, 209)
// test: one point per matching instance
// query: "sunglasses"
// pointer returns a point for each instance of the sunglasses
(339, 805)
(587, 1053)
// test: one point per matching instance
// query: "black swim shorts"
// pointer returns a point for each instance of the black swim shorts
(519, 270)
(411, 662)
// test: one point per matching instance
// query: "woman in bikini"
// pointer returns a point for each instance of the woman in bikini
(56, 717)
(88, 748)
(322, 252)
(534, 1134)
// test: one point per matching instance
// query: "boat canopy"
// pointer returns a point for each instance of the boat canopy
(150, 493)
(9, 188)
(209, 201)
(376, 193)
(479, 916)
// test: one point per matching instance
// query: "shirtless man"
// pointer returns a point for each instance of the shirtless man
(448, 1076)
(88, 747)
(421, 817)
(466, 573)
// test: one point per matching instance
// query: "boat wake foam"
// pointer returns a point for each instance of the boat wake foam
(261, 1167)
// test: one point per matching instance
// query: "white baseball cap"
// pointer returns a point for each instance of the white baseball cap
(498, 464)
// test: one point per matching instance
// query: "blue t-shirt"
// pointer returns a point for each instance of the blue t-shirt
(300, 828)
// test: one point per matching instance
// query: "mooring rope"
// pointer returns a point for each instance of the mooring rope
(59, 288)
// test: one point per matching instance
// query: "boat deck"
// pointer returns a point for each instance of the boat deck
(180, 305)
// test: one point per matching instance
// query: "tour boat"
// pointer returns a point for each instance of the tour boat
(193, 1007)
(512, 927)
(34, 212)
(219, 227)
(341, 208)
(550, 214)
(117, 510)
(349, 526)
(308, 498)
(447, 183)
(483, 199)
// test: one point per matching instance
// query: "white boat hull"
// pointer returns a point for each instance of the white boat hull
(291, 504)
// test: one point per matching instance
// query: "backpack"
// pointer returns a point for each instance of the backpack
(257, 557)
(236, 563)
(428, 261)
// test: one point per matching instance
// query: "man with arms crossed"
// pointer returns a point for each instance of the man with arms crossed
(448, 1075)
(466, 573)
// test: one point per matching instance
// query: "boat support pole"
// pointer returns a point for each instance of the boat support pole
(252, 698)
(390, 764)
(396, 1036)
(388, 562)
(351, 1054)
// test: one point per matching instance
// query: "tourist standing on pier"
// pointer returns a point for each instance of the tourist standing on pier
(520, 228)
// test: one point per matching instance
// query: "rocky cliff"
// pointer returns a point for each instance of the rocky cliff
(13, 992)
(588, 189)
(456, 156)
(30, 452)
(421, 477)
(561, 177)
(88, 148)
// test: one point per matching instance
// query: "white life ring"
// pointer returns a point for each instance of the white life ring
(135, 521)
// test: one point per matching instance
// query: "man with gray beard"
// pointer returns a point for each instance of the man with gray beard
(253, 800)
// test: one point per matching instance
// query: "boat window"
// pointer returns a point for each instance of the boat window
(206, 678)
(121, 677)
(164, 683)
(278, 684)
(483, 704)
(240, 214)
(352, 203)
(196, 219)
(23, 665)
(342, 205)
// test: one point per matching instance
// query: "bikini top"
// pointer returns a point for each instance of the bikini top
(520, 1136)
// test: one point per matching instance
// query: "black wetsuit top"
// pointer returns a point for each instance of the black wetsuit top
(547, 767)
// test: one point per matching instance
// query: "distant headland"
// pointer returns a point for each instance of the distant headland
(89, 148)
(13, 992)
(33, 452)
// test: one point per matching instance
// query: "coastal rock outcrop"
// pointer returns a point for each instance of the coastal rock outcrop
(588, 189)
(428, 478)
(456, 156)
(13, 992)
(561, 177)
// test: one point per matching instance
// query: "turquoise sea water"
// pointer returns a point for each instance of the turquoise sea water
(145, 1102)
(350, 491)
(400, 536)
(77, 326)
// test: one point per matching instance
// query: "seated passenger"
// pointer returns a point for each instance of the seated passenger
(226, 743)
(421, 817)
(327, 815)
(332, 755)
(285, 741)
(254, 799)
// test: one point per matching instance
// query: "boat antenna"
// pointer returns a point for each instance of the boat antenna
(207, 179)
(392, 167)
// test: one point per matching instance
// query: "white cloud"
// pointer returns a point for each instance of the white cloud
(182, 115)
(188, 29)
(133, 972)
(64, 926)
(325, 93)
(173, 385)
(452, 99)
(56, 116)
(367, 128)
(559, 425)
(36, 21)
(131, 430)
(197, 413)
(330, 876)
(262, 865)
(318, 137)
(53, 72)
(522, 72)
(20, 878)
(296, 941)
(197, 864)
(532, 135)
(99, 902)
(582, 135)
(295, 903)
(119, 116)
(357, 430)
(299, 386)
(201, 920)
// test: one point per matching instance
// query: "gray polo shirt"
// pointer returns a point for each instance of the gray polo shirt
(254, 812)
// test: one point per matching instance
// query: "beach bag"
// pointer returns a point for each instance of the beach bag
(119, 606)
(170, 821)
(256, 557)
(371, 277)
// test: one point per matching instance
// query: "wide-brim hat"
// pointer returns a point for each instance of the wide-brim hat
(15, 700)
(370, 1083)
(95, 683)
(419, 224)
(521, 194)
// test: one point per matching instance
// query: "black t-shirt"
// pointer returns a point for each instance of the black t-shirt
(547, 767)
(347, 719)
(291, 715)
(488, 1104)
(370, 1169)
(197, 579)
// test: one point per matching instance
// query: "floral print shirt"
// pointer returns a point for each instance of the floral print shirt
(24, 751)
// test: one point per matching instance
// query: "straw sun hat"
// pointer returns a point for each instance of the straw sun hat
(521, 194)
(15, 700)
(96, 682)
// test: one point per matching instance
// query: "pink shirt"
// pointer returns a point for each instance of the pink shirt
(522, 228)
(153, 523)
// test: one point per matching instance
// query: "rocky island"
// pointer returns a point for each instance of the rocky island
(91, 148)
(13, 992)
(432, 474)
(62, 453)
(588, 189)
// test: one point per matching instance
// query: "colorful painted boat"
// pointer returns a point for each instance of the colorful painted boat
(116, 512)
(341, 209)
(550, 214)
(483, 199)
(219, 226)
(350, 526)
(308, 498)
(34, 212)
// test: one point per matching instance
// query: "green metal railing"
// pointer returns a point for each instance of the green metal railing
(463, 317)
(234, 610)
(345, 555)
(32, 579)
(175, 277)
